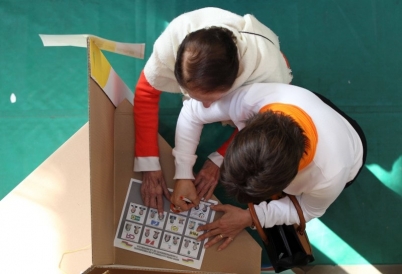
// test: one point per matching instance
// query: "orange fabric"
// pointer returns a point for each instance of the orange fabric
(286, 60)
(146, 108)
(224, 146)
(305, 122)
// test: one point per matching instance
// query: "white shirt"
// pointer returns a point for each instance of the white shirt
(259, 59)
(337, 159)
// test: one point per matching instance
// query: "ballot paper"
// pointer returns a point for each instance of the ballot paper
(171, 236)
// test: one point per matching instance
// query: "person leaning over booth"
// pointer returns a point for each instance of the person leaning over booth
(204, 54)
(290, 140)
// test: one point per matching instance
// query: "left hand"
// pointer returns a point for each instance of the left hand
(233, 221)
(206, 180)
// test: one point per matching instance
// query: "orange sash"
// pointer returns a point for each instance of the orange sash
(305, 122)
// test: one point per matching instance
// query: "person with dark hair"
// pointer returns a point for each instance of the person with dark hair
(290, 140)
(204, 54)
(268, 149)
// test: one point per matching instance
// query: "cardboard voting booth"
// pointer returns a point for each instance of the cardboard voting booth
(111, 147)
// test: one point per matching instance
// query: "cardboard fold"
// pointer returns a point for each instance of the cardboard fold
(101, 113)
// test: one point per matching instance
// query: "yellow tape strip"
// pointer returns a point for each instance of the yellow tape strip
(99, 66)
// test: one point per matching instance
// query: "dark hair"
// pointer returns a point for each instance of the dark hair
(207, 60)
(263, 157)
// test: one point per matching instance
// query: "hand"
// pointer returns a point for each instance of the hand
(206, 180)
(152, 187)
(184, 188)
(233, 221)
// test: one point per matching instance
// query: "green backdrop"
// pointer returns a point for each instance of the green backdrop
(347, 50)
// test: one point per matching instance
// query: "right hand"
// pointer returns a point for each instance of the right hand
(152, 188)
(184, 188)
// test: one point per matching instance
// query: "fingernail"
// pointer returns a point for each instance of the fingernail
(160, 215)
(206, 246)
(219, 249)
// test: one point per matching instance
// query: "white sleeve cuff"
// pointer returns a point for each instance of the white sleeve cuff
(184, 173)
(184, 164)
(146, 164)
(216, 158)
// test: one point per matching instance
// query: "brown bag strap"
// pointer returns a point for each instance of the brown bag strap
(302, 225)
(301, 228)
(257, 224)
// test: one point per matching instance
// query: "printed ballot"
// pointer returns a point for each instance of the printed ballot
(171, 236)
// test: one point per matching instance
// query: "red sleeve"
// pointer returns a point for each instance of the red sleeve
(146, 108)
(224, 146)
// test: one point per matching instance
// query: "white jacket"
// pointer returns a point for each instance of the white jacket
(260, 60)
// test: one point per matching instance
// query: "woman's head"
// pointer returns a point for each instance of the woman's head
(263, 158)
(207, 62)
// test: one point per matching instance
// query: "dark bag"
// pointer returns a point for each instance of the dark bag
(287, 245)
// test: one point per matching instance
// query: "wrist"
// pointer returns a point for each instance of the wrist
(251, 223)
(184, 182)
(249, 219)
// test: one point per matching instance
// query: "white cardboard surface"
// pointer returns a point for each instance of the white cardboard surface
(45, 220)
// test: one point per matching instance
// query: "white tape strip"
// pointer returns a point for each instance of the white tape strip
(80, 40)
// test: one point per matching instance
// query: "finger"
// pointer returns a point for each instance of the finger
(195, 200)
(143, 193)
(153, 203)
(213, 241)
(208, 234)
(199, 187)
(147, 200)
(227, 241)
(208, 226)
(202, 191)
(209, 194)
(203, 237)
(159, 203)
(165, 190)
(197, 180)
(187, 206)
(219, 207)
(182, 206)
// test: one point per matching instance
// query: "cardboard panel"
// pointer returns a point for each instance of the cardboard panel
(101, 116)
(45, 220)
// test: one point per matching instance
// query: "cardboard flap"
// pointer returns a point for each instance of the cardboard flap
(45, 224)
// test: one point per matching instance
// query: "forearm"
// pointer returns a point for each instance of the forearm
(276, 212)
(282, 211)
(146, 108)
(187, 137)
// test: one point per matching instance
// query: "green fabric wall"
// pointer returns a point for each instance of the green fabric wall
(347, 50)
